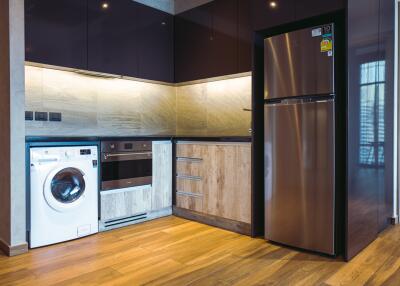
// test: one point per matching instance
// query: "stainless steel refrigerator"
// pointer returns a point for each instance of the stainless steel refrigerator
(299, 145)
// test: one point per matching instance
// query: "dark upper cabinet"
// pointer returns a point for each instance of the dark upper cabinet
(155, 44)
(266, 15)
(245, 36)
(223, 53)
(56, 32)
(212, 40)
(113, 37)
(310, 8)
(192, 41)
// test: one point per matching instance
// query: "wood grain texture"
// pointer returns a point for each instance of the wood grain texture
(174, 251)
(225, 171)
(125, 202)
(189, 186)
(227, 186)
(161, 195)
(217, 221)
(189, 202)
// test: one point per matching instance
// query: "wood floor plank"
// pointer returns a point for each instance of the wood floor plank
(174, 251)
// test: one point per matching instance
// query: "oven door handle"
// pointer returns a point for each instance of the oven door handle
(126, 156)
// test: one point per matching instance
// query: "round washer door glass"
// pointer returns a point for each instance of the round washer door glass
(68, 185)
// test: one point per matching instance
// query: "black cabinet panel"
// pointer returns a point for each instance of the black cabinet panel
(223, 53)
(386, 94)
(113, 37)
(245, 36)
(267, 15)
(370, 121)
(213, 40)
(56, 32)
(156, 49)
(193, 38)
(309, 8)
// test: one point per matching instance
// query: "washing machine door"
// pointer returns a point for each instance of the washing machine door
(65, 188)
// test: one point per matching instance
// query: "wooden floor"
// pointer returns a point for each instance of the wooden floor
(173, 251)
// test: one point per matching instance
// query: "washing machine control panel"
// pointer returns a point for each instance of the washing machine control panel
(54, 154)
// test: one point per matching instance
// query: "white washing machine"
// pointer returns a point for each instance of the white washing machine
(63, 193)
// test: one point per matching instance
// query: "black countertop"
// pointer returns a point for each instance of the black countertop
(31, 139)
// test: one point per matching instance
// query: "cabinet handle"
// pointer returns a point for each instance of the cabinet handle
(191, 178)
(190, 160)
(189, 194)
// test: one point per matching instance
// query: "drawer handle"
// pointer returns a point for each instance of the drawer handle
(190, 160)
(191, 178)
(189, 194)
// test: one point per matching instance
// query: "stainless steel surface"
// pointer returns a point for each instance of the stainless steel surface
(124, 151)
(295, 65)
(300, 174)
(127, 156)
(125, 146)
(125, 183)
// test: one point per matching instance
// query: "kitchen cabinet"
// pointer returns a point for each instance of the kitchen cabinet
(161, 194)
(245, 36)
(156, 47)
(113, 45)
(130, 39)
(370, 147)
(213, 40)
(215, 179)
(192, 43)
(56, 32)
(124, 203)
(267, 16)
(310, 8)
(223, 53)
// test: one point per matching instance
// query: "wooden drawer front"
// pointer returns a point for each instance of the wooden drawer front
(189, 167)
(191, 151)
(125, 202)
(188, 185)
(194, 203)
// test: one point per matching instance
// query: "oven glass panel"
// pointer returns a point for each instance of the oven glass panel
(120, 170)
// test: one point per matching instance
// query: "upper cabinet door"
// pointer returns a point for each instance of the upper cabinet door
(192, 41)
(245, 36)
(268, 14)
(56, 32)
(222, 58)
(113, 38)
(156, 44)
(310, 8)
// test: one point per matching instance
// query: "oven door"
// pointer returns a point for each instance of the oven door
(125, 169)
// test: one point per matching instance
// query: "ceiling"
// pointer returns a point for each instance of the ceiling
(173, 6)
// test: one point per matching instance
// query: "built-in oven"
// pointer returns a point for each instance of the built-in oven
(125, 164)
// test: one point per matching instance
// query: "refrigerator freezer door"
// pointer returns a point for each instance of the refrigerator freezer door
(299, 175)
(299, 63)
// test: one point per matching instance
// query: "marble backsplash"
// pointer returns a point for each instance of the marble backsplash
(95, 106)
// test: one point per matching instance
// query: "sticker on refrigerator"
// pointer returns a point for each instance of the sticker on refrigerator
(316, 32)
(326, 45)
(330, 53)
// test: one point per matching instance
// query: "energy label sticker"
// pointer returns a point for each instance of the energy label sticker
(326, 45)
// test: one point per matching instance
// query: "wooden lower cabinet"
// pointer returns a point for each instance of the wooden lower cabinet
(162, 175)
(215, 179)
(125, 202)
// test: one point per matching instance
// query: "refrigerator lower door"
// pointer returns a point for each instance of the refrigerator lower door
(300, 174)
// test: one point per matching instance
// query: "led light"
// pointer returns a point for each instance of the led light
(105, 5)
(273, 4)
